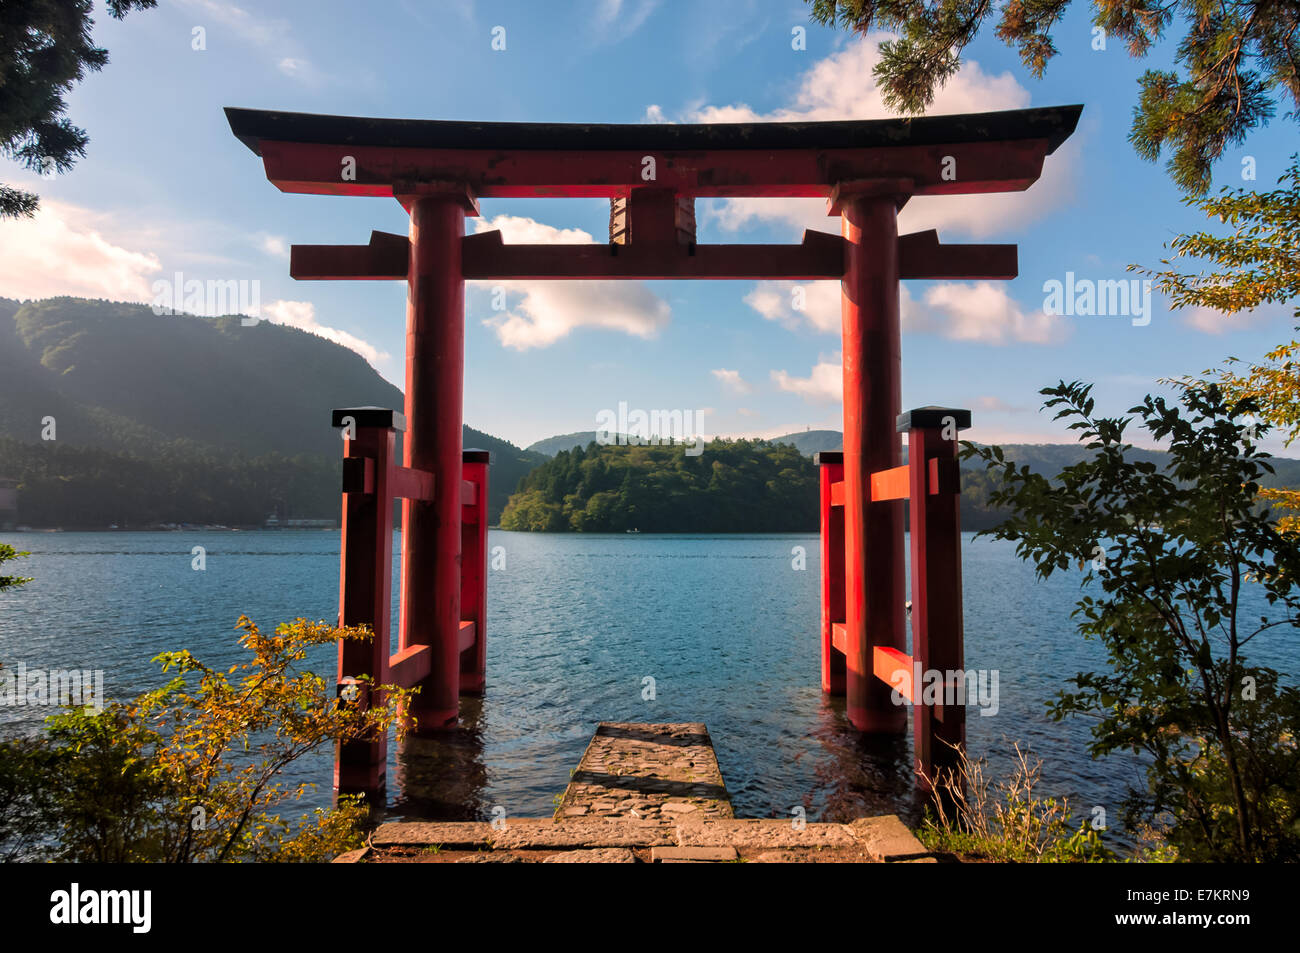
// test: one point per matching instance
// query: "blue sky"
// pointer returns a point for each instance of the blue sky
(165, 187)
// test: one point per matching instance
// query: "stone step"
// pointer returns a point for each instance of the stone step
(600, 840)
(660, 772)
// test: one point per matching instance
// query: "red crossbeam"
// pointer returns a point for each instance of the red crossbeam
(889, 484)
(410, 666)
(411, 484)
(486, 257)
(894, 668)
(386, 257)
(820, 255)
(922, 255)
(839, 636)
(837, 493)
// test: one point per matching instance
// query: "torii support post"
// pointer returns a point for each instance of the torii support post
(474, 568)
(371, 480)
(365, 578)
(431, 530)
(931, 483)
(875, 572)
(934, 490)
(830, 465)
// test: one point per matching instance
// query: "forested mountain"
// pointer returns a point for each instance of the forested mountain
(734, 486)
(175, 418)
(169, 419)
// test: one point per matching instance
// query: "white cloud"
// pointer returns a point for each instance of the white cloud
(547, 311)
(60, 252)
(842, 86)
(982, 312)
(794, 303)
(816, 304)
(825, 384)
(517, 230)
(733, 380)
(302, 315)
(1212, 321)
(274, 245)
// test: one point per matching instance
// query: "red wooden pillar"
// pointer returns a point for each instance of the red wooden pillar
(365, 581)
(831, 467)
(873, 532)
(474, 570)
(934, 497)
(435, 358)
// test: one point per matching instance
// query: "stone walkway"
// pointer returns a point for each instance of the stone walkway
(644, 793)
(654, 772)
(587, 840)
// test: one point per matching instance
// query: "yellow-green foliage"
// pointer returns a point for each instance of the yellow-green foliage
(1006, 821)
(190, 771)
(1252, 266)
(7, 553)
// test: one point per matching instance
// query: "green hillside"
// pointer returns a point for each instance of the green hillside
(739, 486)
(194, 419)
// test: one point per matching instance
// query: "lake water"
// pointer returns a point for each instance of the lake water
(724, 624)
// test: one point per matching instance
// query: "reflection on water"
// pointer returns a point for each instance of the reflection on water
(861, 775)
(725, 625)
(443, 777)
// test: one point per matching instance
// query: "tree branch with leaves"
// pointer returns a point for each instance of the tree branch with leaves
(1255, 264)
(1235, 60)
(45, 50)
(1188, 554)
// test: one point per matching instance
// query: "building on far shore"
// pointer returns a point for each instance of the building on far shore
(274, 522)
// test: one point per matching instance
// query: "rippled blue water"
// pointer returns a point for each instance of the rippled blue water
(724, 624)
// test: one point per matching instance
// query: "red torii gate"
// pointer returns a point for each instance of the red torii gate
(866, 169)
